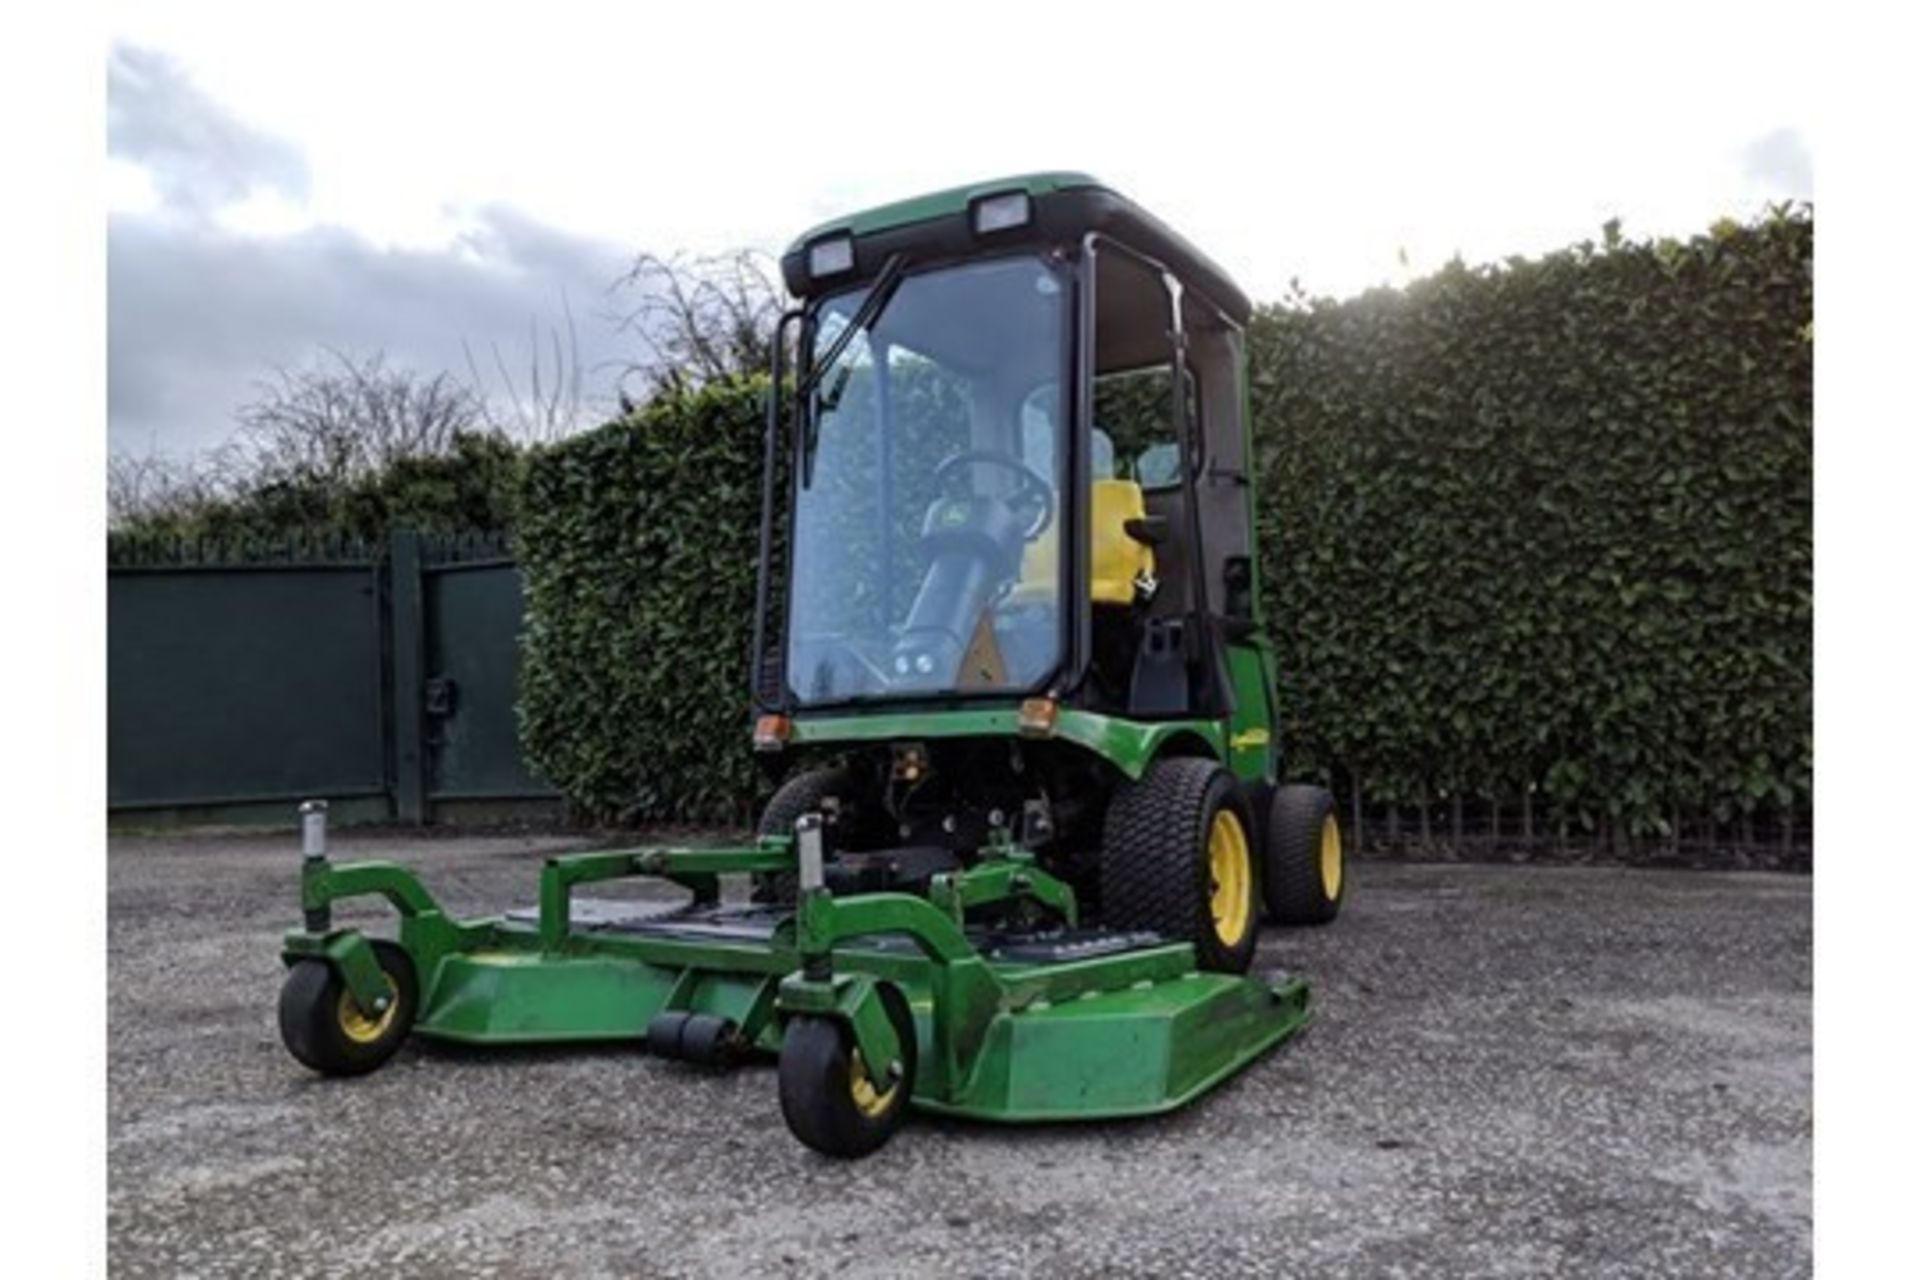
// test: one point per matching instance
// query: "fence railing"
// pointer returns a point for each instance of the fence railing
(1462, 829)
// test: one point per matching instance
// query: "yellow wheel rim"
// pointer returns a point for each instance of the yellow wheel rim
(870, 1100)
(361, 1029)
(1332, 863)
(1230, 871)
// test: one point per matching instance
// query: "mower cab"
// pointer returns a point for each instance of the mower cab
(1010, 676)
(1018, 470)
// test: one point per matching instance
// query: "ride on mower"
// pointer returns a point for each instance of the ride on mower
(1010, 674)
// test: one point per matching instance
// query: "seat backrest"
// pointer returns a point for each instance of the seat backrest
(1118, 558)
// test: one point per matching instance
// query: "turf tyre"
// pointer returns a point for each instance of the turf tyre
(798, 795)
(1301, 888)
(1154, 864)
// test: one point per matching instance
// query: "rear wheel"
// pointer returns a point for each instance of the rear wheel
(1177, 857)
(1306, 857)
(833, 1100)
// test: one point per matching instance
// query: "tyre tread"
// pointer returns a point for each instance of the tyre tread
(1153, 872)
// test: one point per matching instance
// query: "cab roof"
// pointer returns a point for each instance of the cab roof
(1065, 207)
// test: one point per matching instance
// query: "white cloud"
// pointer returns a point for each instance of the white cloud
(1781, 161)
(703, 126)
(264, 213)
(1313, 145)
(130, 188)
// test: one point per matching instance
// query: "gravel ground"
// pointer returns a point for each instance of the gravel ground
(1515, 1071)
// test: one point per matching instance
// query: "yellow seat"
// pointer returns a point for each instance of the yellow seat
(1118, 560)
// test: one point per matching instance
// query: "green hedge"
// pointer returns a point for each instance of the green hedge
(1548, 526)
(637, 542)
(1541, 529)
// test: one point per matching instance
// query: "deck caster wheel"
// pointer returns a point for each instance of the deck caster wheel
(834, 1101)
(322, 1026)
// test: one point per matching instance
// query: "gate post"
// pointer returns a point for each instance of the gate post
(409, 617)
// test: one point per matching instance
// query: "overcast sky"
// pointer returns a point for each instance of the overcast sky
(409, 177)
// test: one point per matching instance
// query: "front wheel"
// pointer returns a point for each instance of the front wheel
(1176, 858)
(802, 793)
(835, 1101)
(326, 1030)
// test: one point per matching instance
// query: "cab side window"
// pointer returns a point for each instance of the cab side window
(1134, 408)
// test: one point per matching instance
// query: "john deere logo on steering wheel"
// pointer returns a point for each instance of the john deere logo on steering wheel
(956, 514)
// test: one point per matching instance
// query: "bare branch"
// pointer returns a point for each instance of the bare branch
(552, 406)
(347, 419)
(698, 320)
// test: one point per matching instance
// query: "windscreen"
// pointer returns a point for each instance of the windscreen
(927, 507)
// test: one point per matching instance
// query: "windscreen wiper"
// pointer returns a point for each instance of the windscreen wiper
(884, 286)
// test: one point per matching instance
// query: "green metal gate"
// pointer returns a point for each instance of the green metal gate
(472, 609)
(379, 676)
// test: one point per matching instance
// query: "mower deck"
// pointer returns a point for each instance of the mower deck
(1133, 1028)
(1015, 1026)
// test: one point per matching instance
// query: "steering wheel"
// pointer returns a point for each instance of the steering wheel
(1034, 490)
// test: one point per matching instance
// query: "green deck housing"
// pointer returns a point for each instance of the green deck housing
(1133, 1030)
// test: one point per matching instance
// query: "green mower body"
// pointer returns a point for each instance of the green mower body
(1010, 679)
